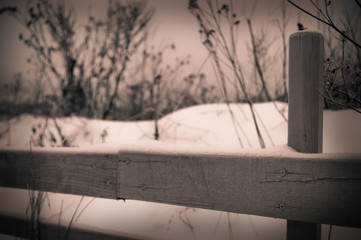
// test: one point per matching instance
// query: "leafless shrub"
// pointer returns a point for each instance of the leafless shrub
(87, 67)
(219, 31)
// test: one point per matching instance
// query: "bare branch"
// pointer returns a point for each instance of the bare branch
(329, 23)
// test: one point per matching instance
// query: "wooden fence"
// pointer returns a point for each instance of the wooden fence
(305, 187)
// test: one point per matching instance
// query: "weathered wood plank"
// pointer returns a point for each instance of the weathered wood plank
(88, 174)
(305, 115)
(322, 188)
(322, 191)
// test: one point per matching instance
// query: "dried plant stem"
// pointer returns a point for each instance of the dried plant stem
(83, 209)
(220, 76)
(328, 22)
(229, 226)
(265, 128)
(260, 71)
(282, 28)
(215, 40)
(64, 141)
(256, 61)
(72, 219)
(187, 221)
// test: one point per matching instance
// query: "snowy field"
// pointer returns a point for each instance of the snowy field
(200, 127)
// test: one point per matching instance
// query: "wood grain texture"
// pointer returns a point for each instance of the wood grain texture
(306, 187)
(305, 108)
(305, 116)
(320, 191)
(62, 172)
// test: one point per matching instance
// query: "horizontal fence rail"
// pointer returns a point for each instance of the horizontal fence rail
(319, 188)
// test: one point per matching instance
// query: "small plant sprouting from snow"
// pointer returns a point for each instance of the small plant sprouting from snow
(104, 134)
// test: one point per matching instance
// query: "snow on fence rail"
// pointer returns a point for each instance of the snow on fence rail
(305, 187)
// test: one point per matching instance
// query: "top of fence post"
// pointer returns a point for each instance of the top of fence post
(305, 117)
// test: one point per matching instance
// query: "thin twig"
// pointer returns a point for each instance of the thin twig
(327, 23)
(85, 207)
(72, 219)
(230, 55)
(186, 221)
(217, 223)
(329, 232)
(229, 226)
(256, 61)
(340, 104)
(264, 127)
(358, 3)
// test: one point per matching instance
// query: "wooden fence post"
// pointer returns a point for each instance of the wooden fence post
(305, 115)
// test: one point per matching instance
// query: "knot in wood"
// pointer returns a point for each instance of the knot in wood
(282, 206)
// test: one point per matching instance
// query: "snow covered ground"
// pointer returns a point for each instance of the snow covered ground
(206, 126)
